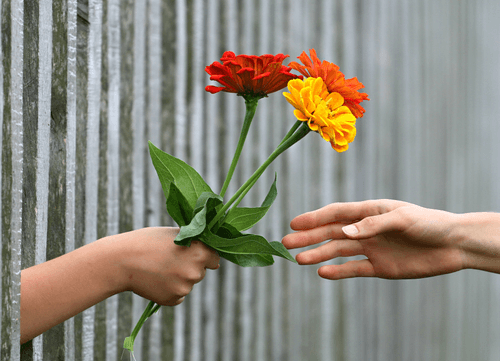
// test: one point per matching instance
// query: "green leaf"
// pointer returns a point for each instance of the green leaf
(173, 170)
(245, 218)
(247, 250)
(178, 207)
(245, 245)
(193, 229)
(205, 210)
(206, 197)
(246, 260)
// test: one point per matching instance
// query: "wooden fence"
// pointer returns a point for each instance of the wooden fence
(84, 84)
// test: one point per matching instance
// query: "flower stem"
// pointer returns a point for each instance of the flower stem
(251, 106)
(150, 309)
(292, 139)
(291, 131)
(288, 135)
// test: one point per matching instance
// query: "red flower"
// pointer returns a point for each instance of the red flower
(334, 79)
(249, 75)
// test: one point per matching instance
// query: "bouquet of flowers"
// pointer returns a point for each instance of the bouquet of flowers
(325, 103)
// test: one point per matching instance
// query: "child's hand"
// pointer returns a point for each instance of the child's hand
(161, 271)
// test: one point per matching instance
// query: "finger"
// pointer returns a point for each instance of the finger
(313, 236)
(214, 261)
(351, 269)
(211, 258)
(330, 250)
(374, 225)
(343, 212)
(179, 301)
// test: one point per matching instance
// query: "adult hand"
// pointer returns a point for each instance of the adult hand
(398, 239)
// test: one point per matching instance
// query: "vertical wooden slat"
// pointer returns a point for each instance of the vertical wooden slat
(351, 289)
(112, 158)
(3, 100)
(455, 177)
(100, 335)
(155, 205)
(367, 144)
(309, 169)
(126, 155)
(82, 71)
(180, 144)
(213, 119)
(12, 298)
(196, 145)
(409, 164)
(169, 44)
(54, 339)
(30, 127)
(92, 156)
(275, 216)
(71, 137)
(231, 111)
(327, 182)
(249, 318)
(43, 136)
(296, 338)
(139, 144)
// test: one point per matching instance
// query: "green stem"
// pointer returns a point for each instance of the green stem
(291, 131)
(145, 315)
(298, 135)
(251, 106)
(288, 135)
(244, 193)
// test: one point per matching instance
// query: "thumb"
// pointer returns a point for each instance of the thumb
(373, 225)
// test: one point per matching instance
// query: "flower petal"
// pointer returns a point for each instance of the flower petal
(334, 80)
(251, 75)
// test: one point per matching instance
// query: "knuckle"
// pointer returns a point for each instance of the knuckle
(183, 290)
(369, 222)
(196, 276)
(404, 217)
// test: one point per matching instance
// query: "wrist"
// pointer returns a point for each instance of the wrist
(478, 236)
(115, 260)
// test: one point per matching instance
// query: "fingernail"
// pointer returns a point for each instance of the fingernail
(350, 230)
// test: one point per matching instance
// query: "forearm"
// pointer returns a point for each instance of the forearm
(479, 237)
(63, 287)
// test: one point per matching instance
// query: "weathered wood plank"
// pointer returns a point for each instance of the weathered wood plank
(139, 148)
(211, 324)
(227, 309)
(100, 334)
(11, 247)
(112, 115)
(126, 147)
(54, 339)
(168, 142)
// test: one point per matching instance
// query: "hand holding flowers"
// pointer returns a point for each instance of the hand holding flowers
(325, 103)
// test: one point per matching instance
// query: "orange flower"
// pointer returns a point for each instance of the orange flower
(334, 79)
(249, 75)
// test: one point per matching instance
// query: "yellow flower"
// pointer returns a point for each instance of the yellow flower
(323, 111)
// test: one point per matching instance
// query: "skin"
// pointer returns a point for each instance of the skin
(399, 240)
(145, 261)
